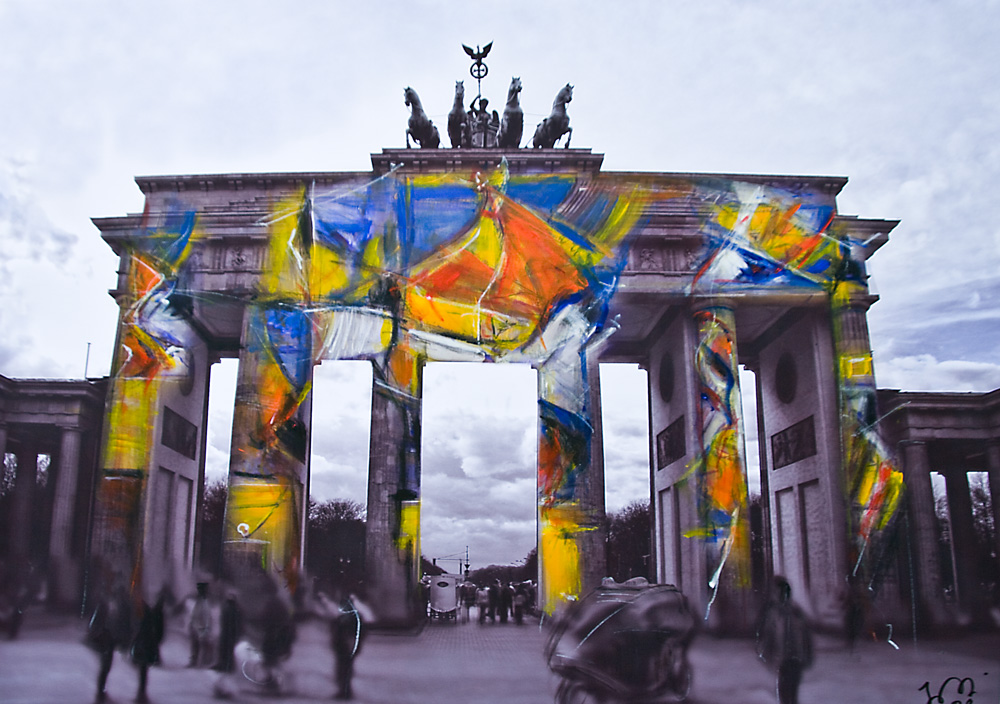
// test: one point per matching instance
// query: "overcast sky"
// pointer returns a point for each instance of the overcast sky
(901, 97)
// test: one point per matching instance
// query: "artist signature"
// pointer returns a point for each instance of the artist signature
(962, 687)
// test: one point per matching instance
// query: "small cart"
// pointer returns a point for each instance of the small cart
(444, 597)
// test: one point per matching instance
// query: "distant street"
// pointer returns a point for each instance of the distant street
(490, 664)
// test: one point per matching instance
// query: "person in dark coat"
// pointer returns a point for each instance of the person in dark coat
(855, 611)
(506, 601)
(346, 636)
(278, 635)
(520, 603)
(784, 641)
(109, 629)
(146, 644)
(230, 629)
(494, 600)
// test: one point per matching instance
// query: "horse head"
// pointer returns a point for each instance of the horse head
(410, 97)
(459, 90)
(565, 95)
(515, 88)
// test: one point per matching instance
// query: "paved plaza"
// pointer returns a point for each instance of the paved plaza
(491, 664)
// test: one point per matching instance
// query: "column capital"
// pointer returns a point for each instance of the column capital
(704, 303)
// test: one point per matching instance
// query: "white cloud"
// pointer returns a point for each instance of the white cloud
(925, 373)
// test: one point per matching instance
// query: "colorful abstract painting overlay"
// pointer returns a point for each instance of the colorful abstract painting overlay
(482, 266)
(721, 476)
(487, 266)
(874, 484)
(269, 459)
(154, 338)
(760, 238)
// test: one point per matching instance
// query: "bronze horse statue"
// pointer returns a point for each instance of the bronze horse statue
(458, 121)
(420, 126)
(556, 124)
(512, 124)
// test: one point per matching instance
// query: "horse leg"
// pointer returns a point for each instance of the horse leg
(538, 140)
(569, 133)
(408, 139)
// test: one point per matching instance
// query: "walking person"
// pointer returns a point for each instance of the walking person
(230, 628)
(482, 603)
(200, 625)
(855, 611)
(520, 603)
(108, 630)
(506, 601)
(494, 600)
(346, 635)
(146, 644)
(467, 597)
(784, 641)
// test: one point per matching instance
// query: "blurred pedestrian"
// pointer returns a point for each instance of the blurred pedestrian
(146, 643)
(346, 635)
(784, 641)
(467, 597)
(278, 632)
(482, 603)
(200, 625)
(855, 611)
(494, 600)
(506, 601)
(230, 629)
(520, 603)
(109, 629)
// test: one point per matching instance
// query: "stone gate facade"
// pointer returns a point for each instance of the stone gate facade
(526, 256)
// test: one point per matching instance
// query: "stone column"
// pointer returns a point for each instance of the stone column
(571, 515)
(127, 442)
(869, 473)
(593, 494)
(22, 523)
(392, 543)
(63, 569)
(3, 459)
(923, 532)
(269, 462)
(993, 466)
(766, 545)
(196, 556)
(721, 467)
(963, 536)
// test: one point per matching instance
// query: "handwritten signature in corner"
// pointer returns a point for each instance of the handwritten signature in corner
(953, 686)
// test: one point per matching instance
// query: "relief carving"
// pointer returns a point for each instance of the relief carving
(649, 259)
(238, 258)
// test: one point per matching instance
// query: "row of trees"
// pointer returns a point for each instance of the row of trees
(627, 550)
(339, 526)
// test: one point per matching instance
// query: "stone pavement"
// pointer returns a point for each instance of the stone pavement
(492, 664)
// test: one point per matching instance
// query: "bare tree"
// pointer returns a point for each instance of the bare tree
(628, 541)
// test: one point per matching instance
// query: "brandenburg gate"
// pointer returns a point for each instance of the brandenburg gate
(533, 256)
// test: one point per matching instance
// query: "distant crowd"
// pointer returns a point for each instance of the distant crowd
(245, 633)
